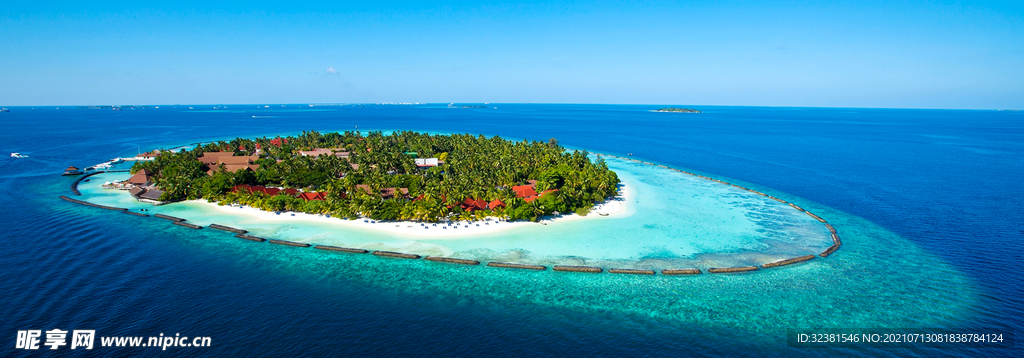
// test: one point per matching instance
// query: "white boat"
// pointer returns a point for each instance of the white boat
(190, 108)
(18, 155)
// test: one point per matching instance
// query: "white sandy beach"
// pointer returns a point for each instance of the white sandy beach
(615, 208)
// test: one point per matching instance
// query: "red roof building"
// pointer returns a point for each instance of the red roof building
(277, 141)
(307, 196)
(494, 204)
(473, 204)
(524, 191)
(530, 199)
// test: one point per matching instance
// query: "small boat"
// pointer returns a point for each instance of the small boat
(4, 110)
(190, 108)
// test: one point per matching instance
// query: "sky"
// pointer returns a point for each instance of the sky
(885, 54)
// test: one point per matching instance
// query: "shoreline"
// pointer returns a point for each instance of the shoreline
(616, 207)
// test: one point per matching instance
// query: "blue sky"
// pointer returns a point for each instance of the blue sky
(920, 54)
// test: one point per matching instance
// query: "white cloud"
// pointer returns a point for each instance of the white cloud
(332, 70)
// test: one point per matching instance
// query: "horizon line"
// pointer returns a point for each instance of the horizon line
(501, 103)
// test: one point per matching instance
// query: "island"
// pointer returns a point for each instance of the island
(406, 176)
(676, 110)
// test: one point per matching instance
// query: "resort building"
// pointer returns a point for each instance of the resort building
(313, 196)
(228, 161)
(494, 204)
(473, 204)
(528, 192)
(424, 163)
(337, 152)
(71, 170)
(524, 191)
(212, 157)
(135, 191)
(141, 178)
(148, 155)
(149, 195)
(316, 152)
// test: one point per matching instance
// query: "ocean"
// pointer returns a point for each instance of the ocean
(927, 203)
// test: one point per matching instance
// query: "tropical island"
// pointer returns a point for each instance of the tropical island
(676, 110)
(401, 176)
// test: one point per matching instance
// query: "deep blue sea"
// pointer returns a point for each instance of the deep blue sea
(930, 202)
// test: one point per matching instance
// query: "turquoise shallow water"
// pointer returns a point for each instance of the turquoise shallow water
(675, 220)
(923, 201)
(671, 220)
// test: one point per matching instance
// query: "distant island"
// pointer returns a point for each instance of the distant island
(401, 176)
(677, 110)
